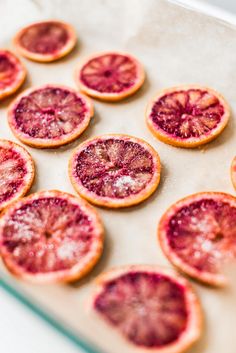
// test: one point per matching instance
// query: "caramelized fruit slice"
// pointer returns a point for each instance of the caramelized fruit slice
(110, 76)
(50, 236)
(45, 41)
(12, 73)
(115, 170)
(16, 172)
(198, 235)
(49, 116)
(187, 116)
(154, 309)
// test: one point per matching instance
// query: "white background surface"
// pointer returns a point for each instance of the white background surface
(229, 5)
(21, 331)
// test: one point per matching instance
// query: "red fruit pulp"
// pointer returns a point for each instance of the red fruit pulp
(203, 234)
(12, 173)
(8, 71)
(148, 308)
(109, 73)
(47, 234)
(187, 114)
(49, 113)
(44, 38)
(114, 168)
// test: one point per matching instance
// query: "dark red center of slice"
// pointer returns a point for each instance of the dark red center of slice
(47, 234)
(49, 113)
(114, 168)
(8, 70)
(149, 309)
(110, 73)
(203, 234)
(44, 38)
(187, 114)
(12, 173)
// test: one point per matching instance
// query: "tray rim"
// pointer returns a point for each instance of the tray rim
(31, 304)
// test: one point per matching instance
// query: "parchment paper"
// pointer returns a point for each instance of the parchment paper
(176, 46)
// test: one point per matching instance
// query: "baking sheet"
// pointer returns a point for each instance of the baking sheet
(176, 46)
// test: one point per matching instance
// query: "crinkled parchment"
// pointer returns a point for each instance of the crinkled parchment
(176, 46)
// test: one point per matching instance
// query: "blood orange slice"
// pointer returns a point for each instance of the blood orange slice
(198, 235)
(154, 309)
(110, 76)
(45, 41)
(233, 172)
(187, 116)
(115, 170)
(12, 73)
(16, 172)
(50, 236)
(49, 116)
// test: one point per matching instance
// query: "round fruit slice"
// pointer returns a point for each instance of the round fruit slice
(198, 235)
(12, 73)
(50, 236)
(154, 309)
(110, 76)
(187, 116)
(16, 172)
(45, 41)
(233, 172)
(115, 170)
(49, 116)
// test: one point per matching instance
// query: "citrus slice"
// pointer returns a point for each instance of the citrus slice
(110, 76)
(12, 73)
(233, 172)
(198, 235)
(154, 309)
(115, 170)
(50, 236)
(187, 116)
(45, 41)
(16, 172)
(49, 116)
